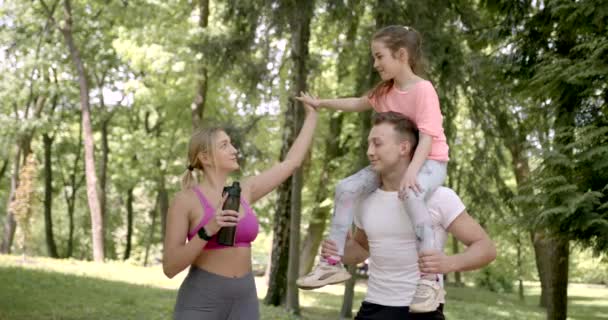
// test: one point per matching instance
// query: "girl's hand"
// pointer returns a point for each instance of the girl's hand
(309, 100)
(408, 182)
(434, 261)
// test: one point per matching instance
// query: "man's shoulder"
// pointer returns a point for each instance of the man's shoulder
(444, 206)
(443, 192)
(443, 197)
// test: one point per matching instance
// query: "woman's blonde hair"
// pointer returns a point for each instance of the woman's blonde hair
(201, 141)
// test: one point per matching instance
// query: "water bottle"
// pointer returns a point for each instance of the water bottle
(226, 234)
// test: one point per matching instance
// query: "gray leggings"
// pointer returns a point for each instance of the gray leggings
(207, 296)
(356, 187)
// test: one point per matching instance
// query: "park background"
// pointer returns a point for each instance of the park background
(98, 100)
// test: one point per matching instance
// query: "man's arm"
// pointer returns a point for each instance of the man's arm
(357, 248)
(480, 249)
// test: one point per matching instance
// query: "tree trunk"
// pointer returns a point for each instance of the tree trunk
(293, 302)
(153, 214)
(300, 35)
(48, 196)
(558, 247)
(346, 312)
(521, 170)
(200, 96)
(314, 234)
(70, 198)
(89, 146)
(3, 168)
(9, 223)
(103, 174)
(277, 280)
(71, 207)
(542, 258)
(318, 220)
(557, 302)
(129, 223)
(552, 254)
(163, 203)
(520, 270)
(23, 151)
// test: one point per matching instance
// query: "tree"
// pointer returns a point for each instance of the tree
(66, 29)
(21, 206)
(26, 99)
(286, 239)
(48, 187)
(556, 64)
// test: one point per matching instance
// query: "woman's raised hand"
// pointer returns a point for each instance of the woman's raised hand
(309, 101)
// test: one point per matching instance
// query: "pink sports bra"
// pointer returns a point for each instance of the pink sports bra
(246, 230)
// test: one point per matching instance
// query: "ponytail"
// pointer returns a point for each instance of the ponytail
(201, 141)
(382, 88)
(189, 180)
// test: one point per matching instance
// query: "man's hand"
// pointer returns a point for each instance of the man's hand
(435, 261)
(329, 248)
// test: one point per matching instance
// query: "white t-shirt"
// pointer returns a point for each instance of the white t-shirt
(393, 260)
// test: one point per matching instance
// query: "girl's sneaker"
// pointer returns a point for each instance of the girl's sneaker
(323, 274)
(427, 296)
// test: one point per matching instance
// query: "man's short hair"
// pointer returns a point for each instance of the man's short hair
(403, 125)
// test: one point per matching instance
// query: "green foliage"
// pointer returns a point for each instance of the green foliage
(496, 281)
(574, 207)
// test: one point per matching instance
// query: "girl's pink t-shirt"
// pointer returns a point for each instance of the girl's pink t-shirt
(421, 104)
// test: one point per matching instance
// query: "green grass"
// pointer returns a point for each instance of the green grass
(42, 288)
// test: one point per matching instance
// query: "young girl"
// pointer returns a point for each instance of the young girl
(397, 58)
(220, 284)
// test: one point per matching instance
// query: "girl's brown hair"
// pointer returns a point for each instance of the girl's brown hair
(395, 38)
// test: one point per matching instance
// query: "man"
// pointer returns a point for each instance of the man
(385, 235)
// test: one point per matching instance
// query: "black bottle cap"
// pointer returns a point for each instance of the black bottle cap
(236, 189)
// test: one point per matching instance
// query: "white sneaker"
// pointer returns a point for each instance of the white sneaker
(322, 275)
(427, 296)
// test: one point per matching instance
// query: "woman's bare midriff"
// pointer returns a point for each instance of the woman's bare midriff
(229, 262)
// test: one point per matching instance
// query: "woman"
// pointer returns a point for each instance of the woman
(220, 284)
